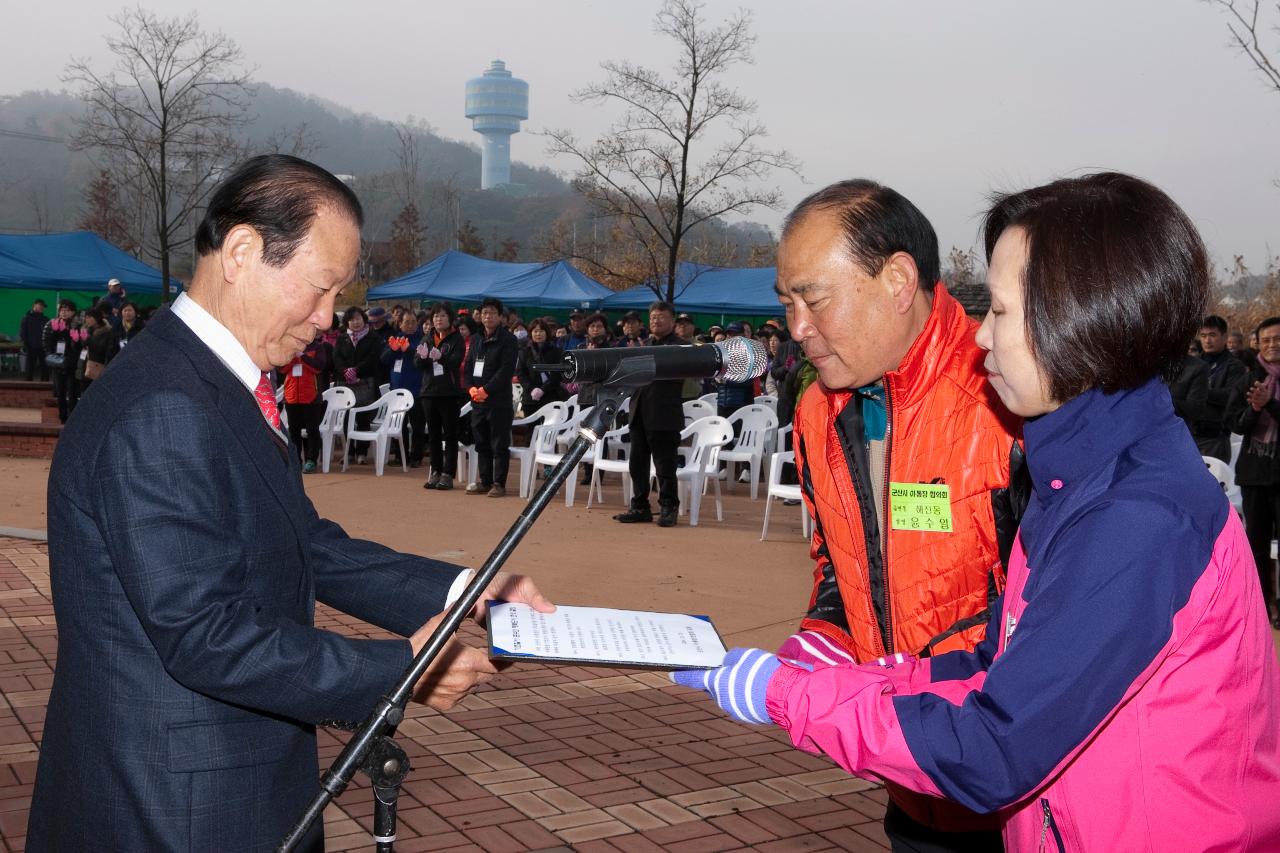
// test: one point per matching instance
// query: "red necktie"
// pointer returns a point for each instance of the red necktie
(266, 397)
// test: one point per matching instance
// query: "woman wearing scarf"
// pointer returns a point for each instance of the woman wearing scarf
(355, 361)
(1258, 468)
(439, 359)
(538, 386)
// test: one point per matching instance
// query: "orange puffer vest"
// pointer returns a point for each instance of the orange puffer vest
(947, 426)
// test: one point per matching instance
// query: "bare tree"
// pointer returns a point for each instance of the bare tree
(1246, 35)
(297, 141)
(686, 148)
(104, 214)
(408, 231)
(166, 111)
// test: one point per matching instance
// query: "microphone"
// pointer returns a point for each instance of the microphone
(731, 360)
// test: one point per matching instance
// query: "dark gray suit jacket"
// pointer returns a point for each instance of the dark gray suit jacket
(186, 561)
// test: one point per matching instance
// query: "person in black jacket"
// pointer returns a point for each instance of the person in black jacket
(31, 332)
(101, 346)
(1226, 372)
(439, 358)
(128, 324)
(490, 366)
(357, 362)
(61, 343)
(1258, 468)
(657, 417)
(539, 387)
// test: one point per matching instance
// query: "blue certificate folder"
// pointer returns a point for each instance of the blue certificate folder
(603, 636)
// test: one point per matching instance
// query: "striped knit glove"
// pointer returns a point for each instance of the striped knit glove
(738, 686)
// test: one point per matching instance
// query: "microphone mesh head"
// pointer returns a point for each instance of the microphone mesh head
(742, 359)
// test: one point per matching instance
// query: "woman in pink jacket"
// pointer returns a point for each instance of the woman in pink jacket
(1127, 695)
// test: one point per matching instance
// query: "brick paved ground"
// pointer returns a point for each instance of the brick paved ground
(541, 758)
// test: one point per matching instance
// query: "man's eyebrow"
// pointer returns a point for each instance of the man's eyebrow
(796, 289)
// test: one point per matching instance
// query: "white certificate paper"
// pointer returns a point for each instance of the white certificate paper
(605, 636)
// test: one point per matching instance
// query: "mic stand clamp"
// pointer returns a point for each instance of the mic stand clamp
(371, 748)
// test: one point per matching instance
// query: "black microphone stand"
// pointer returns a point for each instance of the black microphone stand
(371, 748)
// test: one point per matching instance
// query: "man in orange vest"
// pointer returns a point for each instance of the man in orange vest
(904, 454)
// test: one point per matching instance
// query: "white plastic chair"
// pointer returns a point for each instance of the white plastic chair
(389, 410)
(546, 451)
(550, 413)
(698, 409)
(703, 461)
(776, 489)
(767, 400)
(758, 421)
(711, 398)
(1226, 478)
(468, 456)
(602, 463)
(383, 389)
(337, 401)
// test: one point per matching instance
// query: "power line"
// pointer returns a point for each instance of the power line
(38, 137)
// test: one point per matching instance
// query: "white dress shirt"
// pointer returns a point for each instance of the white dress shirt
(218, 338)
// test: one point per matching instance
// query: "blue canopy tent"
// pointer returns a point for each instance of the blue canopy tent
(711, 290)
(75, 265)
(554, 285)
(76, 260)
(453, 276)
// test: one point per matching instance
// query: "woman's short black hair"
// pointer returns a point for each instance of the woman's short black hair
(440, 308)
(878, 222)
(353, 311)
(278, 196)
(598, 318)
(1116, 281)
(67, 303)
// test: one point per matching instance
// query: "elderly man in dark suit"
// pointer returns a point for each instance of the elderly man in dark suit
(657, 417)
(186, 559)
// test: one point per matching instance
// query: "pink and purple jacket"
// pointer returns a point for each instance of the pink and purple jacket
(1127, 695)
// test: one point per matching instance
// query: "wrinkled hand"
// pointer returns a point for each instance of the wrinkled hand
(738, 686)
(536, 394)
(513, 588)
(1259, 394)
(349, 374)
(454, 672)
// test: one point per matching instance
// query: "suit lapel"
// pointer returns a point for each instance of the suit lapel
(239, 410)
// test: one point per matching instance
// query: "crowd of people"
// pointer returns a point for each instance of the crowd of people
(492, 358)
(72, 348)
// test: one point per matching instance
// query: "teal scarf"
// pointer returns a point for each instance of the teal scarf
(874, 416)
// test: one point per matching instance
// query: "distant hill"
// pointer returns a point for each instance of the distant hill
(41, 180)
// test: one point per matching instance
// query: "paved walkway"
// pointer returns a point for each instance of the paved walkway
(541, 758)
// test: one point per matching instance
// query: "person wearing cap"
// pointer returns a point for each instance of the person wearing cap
(115, 296)
(632, 331)
(731, 396)
(685, 328)
(577, 336)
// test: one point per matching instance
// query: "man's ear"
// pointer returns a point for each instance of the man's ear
(902, 278)
(240, 248)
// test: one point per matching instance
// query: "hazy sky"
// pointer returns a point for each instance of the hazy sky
(946, 100)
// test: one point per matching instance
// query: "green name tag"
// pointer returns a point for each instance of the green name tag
(920, 506)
